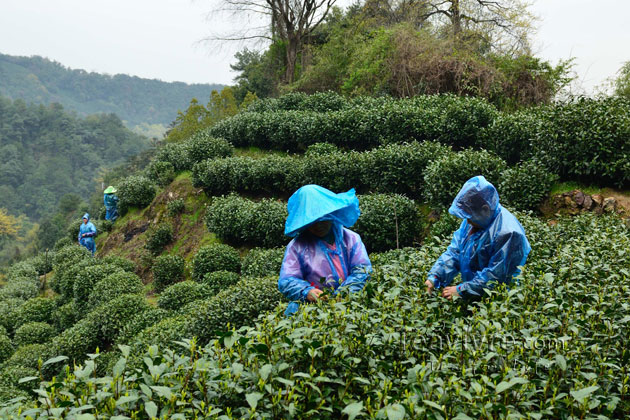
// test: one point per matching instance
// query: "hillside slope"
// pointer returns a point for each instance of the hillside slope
(134, 99)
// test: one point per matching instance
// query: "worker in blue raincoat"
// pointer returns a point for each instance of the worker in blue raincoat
(110, 199)
(87, 232)
(487, 249)
(324, 255)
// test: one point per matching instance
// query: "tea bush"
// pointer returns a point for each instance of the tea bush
(158, 237)
(180, 294)
(114, 285)
(135, 191)
(6, 348)
(542, 349)
(65, 316)
(123, 263)
(237, 305)
(511, 135)
(140, 322)
(240, 221)
(42, 263)
(260, 262)
(10, 377)
(21, 287)
(317, 149)
(524, 187)
(86, 280)
(202, 146)
(175, 207)
(175, 154)
(38, 309)
(167, 269)
(22, 269)
(34, 333)
(218, 280)
(445, 176)
(319, 101)
(28, 355)
(110, 318)
(62, 243)
(160, 172)
(8, 310)
(445, 226)
(387, 221)
(215, 257)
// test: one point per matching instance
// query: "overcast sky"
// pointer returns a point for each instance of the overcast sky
(161, 38)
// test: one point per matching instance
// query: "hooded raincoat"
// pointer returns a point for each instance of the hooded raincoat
(110, 199)
(87, 232)
(310, 262)
(484, 255)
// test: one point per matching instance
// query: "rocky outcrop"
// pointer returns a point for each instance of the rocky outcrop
(576, 201)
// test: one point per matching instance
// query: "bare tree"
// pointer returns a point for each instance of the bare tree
(505, 24)
(289, 21)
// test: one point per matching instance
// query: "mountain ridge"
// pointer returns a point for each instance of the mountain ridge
(137, 101)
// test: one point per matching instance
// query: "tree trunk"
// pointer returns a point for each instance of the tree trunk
(293, 43)
(456, 18)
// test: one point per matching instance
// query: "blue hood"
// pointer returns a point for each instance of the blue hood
(312, 203)
(477, 201)
(86, 216)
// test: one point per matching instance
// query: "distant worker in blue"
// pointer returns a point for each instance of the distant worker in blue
(324, 255)
(487, 249)
(111, 203)
(87, 232)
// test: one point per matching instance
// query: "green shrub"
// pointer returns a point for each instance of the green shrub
(140, 322)
(86, 280)
(110, 318)
(202, 146)
(163, 333)
(123, 263)
(114, 285)
(158, 237)
(176, 154)
(321, 149)
(167, 270)
(524, 187)
(39, 309)
(218, 280)
(400, 168)
(215, 257)
(69, 255)
(28, 355)
(43, 263)
(10, 377)
(34, 333)
(135, 191)
(103, 225)
(239, 221)
(445, 226)
(65, 316)
(62, 243)
(8, 310)
(75, 342)
(179, 294)
(6, 348)
(160, 172)
(337, 172)
(387, 221)
(22, 269)
(237, 305)
(510, 135)
(260, 262)
(175, 207)
(445, 177)
(21, 287)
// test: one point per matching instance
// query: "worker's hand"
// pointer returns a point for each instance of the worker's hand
(313, 295)
(429, 285)
(450, 292)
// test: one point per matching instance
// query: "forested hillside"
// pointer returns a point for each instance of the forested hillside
(46, 152)
(133, 99)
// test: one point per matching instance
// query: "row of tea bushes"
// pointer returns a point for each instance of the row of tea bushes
(429, 171)
(547, 348)
(453, 120)
(393, 169)
(387, 221)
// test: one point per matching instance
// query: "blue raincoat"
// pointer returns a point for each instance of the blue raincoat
(111, 206)
(308, 260)
(487, 254)
(87, 232)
